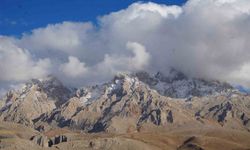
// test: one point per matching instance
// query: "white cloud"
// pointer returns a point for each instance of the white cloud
(73, 68)
(203, 38)
(119, 63)
(65, 37)
(241, 75)
(17, 63)
(139, 10)
(141, 57)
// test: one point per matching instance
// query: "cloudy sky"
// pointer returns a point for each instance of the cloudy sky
(202, 38)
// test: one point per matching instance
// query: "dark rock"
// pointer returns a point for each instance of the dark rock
(189, 145)
(170, 118)
(57, 139)
(40, 140)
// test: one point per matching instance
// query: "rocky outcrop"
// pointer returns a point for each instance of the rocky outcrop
(41, 140)
(57, 139)
(245, 120)
(189, 145)
(44, 141)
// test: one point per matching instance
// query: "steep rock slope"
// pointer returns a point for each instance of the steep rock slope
(231, 111)
(35, 98)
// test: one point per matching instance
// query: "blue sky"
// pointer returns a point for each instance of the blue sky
(18, 16)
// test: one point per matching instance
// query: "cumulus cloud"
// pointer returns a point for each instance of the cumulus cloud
(65, 37)
(137, 61)
(73, 68)
(17, 64)
(112, 64)
(141, 56)
(202, 38)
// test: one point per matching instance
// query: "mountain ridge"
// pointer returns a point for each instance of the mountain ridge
(128, 104)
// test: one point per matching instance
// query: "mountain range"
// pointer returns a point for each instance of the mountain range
(132, 111)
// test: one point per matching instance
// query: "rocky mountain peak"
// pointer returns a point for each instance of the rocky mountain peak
(36, 97)
(51, 81)
(52, 86)
(120, 82)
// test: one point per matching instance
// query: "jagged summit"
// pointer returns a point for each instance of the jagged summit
(172, 75)
(178, 85)
(51, 86)
(174, 84)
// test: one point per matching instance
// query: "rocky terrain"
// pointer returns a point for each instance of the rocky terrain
(132, 111)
